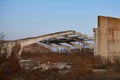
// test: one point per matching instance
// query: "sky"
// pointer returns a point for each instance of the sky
(28, 18)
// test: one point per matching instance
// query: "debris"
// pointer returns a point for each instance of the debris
(33, 65)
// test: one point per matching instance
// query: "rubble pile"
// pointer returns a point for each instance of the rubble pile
(33, 65)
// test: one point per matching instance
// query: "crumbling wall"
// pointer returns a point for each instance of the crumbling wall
(107, 38)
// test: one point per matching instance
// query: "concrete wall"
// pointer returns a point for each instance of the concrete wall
(107, 38)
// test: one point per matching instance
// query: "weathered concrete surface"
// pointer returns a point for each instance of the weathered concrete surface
(96, 41)
(27, 41)
(107, 38)
(48, 39)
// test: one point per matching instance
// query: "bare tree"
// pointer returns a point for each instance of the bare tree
(2, 37)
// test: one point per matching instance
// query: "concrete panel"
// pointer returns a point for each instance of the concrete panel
(107, 37)
(114, 47)
(114, 37)
(103, 36)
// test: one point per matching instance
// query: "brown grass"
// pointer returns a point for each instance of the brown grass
(83, 63)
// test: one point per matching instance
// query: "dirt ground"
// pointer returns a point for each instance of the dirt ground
(82, 69)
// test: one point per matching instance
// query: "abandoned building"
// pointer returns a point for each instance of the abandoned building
(106, 40)
(54, 40)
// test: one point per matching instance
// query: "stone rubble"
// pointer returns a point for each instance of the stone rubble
(33, 65)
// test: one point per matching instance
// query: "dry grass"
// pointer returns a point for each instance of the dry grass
(83, 63)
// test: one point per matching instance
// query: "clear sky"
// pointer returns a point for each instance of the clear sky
(27, 18)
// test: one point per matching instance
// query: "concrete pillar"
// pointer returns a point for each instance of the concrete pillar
(20, 51)
(16, 51)
(9, 46)
(96, 41)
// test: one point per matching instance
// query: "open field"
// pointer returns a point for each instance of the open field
(84, 67)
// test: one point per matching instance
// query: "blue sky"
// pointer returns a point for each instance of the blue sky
(27, 18)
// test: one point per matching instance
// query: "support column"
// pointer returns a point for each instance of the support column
(20, 52)
(96, 41)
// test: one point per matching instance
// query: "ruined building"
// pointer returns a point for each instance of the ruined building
(107, 38)
(54, 40)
